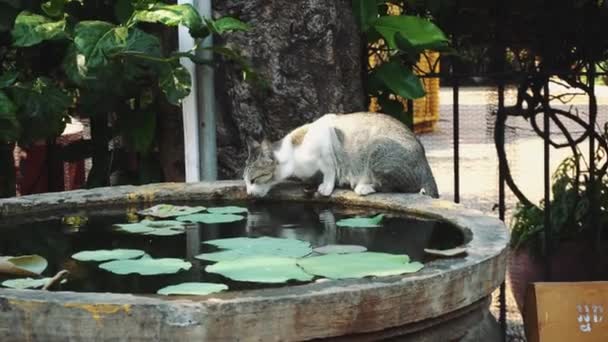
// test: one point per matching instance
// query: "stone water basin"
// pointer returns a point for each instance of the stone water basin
(445, 300)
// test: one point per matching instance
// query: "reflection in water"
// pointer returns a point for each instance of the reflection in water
(56, 242)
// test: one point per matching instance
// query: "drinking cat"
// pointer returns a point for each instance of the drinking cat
(368, 152)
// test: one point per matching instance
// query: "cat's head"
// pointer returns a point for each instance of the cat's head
(260, 168)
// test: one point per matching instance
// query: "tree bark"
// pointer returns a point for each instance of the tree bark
(309, 54)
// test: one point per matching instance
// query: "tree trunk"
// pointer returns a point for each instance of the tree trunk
(309, 54)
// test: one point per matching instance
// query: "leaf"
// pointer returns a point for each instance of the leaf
(418, 31)
(366, 13)
(152, 227)
(210, 218)
(146, 266)
(105, 254)
(170, 210)
(171, 15)
(361, 222)
(358, 265)
(25, 265)
(340, 249)
(42, 108)
(98, 41)
(399, 79)
(8, 78)
(193, 289)
(227, 210)
(9, 126)
(175, 82)
(26, 283)
(446, 252)
(264, 246)
(260, 269)
(54, 8)
(228, 24)
(31, 29)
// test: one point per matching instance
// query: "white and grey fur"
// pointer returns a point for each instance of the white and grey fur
(368, 152)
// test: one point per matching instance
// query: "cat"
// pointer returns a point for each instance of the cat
(368, 152)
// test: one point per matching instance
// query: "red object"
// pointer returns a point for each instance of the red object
(34, 169)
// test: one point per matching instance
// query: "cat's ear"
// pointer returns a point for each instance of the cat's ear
(252, 145)
(266, 147)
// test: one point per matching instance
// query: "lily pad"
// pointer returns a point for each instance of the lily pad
(195, 289)
(260, 269)
(25, 283)
(358, 265)
(153, 227)
(108, 254)
(227, 210)
(169, 210)
(210, 218)
(263, 246)
(165, 232)
(361, 222)
(447, 253)
(147, 266)
(25, 265)
(340, 249)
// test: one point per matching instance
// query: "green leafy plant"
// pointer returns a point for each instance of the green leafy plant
(569, 210)
(393, 43)
(111, 62)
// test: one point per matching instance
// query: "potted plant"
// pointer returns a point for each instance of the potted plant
(575, 236)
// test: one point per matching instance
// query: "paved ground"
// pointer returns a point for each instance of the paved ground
(478, 162)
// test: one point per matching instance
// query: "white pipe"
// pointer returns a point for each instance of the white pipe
(190, 110)
(206, 106)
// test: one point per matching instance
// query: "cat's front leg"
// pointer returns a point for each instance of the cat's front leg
(329, 179)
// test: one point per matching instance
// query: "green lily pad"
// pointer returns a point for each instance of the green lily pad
(25, 283)
(146, 266)
(26, 265)
(361, 222)
(195, 289)
(169, 210)
(263, 246)
(227, 210)
(340, 249)
(210, 218)
(260, 269)
(358, 265)
(108, 254)
(153, 227)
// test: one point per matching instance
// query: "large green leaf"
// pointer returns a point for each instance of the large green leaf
(260, 269)
(399, 79)
(9, 126)
(159, 228)
(171, 15)
(174, 80)
(231, 209)
(339, 249)
(228, 24)
(358, 265)
(98, 41)
(170, 210)
(41, 109)
(210, 218)
(361, 222)
(418, 31)
(108, 254)
(366, 13)
(26, 283)
(192, 289)
(264, 246)
(146, 266)
(31, 29)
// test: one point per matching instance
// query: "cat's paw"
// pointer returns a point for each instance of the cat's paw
(364, 189)
(325, 189)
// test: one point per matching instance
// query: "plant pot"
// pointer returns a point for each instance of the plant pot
(572, 261)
